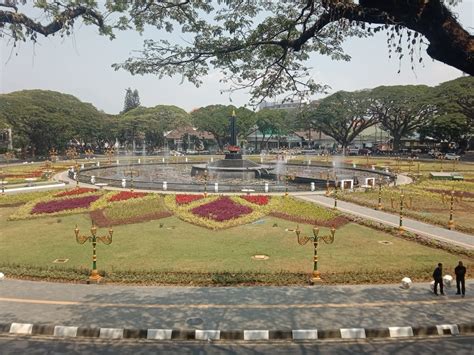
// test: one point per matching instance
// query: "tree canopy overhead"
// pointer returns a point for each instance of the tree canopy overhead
(260, 45)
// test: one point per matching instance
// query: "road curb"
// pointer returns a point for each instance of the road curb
(244, 335)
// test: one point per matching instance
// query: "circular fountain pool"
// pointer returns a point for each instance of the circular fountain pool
(274, 177)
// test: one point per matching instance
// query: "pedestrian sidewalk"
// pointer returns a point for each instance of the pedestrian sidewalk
(232, 313)
(428, 230)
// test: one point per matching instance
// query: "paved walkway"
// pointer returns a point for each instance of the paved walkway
(425, 229)
(232, 308)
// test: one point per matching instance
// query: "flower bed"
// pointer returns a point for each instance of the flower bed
(186, 199)
(63, 205)
(126, 195)
(77, 191)
(260, 200)
(102, 220)
(301, 209)
(221, 210)
(335, 222)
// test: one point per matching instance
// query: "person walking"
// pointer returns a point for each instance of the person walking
(460, 272)
(438, 279)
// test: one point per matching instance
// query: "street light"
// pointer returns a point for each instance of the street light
(379, 204)
(335, 192)
(288, 178)
(72, 154)
(132, 173)
(400, 225)
(205, 182)
(93, 238)
(451, 210)
(2, 181)
(302, 240)
(110, 152)
(327, 183)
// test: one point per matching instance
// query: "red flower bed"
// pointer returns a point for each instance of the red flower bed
(221, 210)
(335, 222)
(185, 199)
(33, 174)
(260, 200)
(101, 220)
(126, 195)
(78, 191)
(62, 205)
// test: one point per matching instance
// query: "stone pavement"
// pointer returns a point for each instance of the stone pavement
(442, 234)
(242, 313)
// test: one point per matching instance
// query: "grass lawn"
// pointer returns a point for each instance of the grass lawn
(178, 246)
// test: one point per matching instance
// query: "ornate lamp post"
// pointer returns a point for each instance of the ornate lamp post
(132, 173)
(335, 192)
(93, 238)
(206, 176)
(72, 154)
(2, 181)
(288, 178)
(110, 152)
(302, 240)
(53, 155)
(400, 225)
(9, 156)
(451, 210)
(89, 153)
(379, 204)
(327, 183)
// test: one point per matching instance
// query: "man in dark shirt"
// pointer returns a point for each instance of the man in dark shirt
(460, 272)
(438, 279)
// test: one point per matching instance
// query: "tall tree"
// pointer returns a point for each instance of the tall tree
(132, 100)
(343, 116)
(215, 119)
(150, 123)
(454, 117)
(271, 123)
(265, 44)
(402, 110)
(42, 119)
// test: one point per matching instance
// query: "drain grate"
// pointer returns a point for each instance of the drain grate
(260, 257)
(60, 261)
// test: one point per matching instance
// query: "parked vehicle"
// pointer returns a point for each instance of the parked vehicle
(451, 156)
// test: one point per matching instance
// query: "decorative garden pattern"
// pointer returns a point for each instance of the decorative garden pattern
(221, 210)
(76, 191)
(182, 199)
(126, 195)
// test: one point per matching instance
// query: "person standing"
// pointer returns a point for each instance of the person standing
(460, 272)
(438, 279)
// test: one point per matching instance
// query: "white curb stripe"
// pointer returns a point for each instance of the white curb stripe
(62, 331)
(29, 188)
(111, 333)
(452, 327)
(21, 328)
(304, 334)
(256, 335)
(207, 334)
(352, 333)
(396, 332)
(159, 334)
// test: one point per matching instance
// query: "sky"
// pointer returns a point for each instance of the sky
(80, 65)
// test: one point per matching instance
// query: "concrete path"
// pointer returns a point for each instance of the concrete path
(425, 229)
(232, 308)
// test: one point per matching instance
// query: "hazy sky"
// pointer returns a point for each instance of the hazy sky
(80, 65)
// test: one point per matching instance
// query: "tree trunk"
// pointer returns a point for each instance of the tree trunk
(396, 142)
